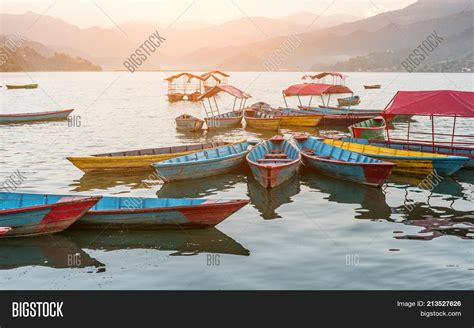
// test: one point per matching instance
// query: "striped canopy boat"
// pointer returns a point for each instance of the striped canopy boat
(157, 213)
(273, 161)
(408, 162)
(35, 117)
(202, 164)
(24, 214)
(341, 163)
(369, 129)
(140, 159)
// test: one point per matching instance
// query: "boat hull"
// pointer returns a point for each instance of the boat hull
(408, 162)
(370, 129)
(301, 120)
(222, 122)
(121, 163)
(428, 148)
(35, 117)
(205, 215)
(190, 170)
(269, 176)
(24, 86)
(45, 219)
(189, 124)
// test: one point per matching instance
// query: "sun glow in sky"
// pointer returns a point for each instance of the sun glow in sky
(107, 12)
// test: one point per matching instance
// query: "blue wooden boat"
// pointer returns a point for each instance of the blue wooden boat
(202, 164)
(273, 161)
(35, 117)
(427, 147)
(23, 214)
(157, 213)
(341, 163)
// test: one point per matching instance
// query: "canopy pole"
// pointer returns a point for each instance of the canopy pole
(299, 99)
(432, 131)
(454, 129)
(322, 100)
(388, 133)
(210, 106)
(242, 108)
(217, 107)
(284, 98)
(408, 134)
(235, 101)
(329, 98)
(241, 100)
(309, 105)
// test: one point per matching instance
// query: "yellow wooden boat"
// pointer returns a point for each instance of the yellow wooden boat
(136, 159)
(290, 117)
(260, 120)
(408, 162)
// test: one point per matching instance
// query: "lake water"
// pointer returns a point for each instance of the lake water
(313, 232)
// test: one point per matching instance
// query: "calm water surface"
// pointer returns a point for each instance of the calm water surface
(313, 232)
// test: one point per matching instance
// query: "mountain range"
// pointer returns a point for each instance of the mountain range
(246, 43)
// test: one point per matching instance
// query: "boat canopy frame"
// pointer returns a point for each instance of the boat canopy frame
(314, 89)
(229, 89)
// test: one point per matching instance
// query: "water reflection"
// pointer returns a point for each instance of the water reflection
(201, 188)
(371, 200)
(55, 251)
(102, 181)
(69, 249)
(180, 242)
(266, 201)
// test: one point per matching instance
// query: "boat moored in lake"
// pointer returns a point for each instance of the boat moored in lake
(373, 128)
(187, 122)
(22, 86)
(140, 159)
(24, 214)
(202, 164)
(35, 117)
(348, 101)
(341, 163)
(273, 161)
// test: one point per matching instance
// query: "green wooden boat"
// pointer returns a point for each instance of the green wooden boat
(369, 129)
(22, 86)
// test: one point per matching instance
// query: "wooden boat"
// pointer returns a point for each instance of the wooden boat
(348, 101)
(273, 161)
(194, 96)
(408, 162)
(261, 120)
(372, 86)
(173, 97)
(24, 214)
(157, 213)
(35, 117)
(188, 123)
(342, 116)
(136, 159)
(202, 164)
(426, 147)
(343, 164)
(22, 86)
(224, 120)
(369, 129)
(291, 117)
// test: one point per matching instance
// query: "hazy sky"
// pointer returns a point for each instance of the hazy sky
(102, 12)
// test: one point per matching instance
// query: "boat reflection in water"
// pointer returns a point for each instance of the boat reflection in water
(69, 249)
(201, 188)
(268, 200)
(102, 181)
(54, 251)
(371, 200)
(179, 242)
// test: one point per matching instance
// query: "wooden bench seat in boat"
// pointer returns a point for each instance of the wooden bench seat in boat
(270, 160)
(282, 155)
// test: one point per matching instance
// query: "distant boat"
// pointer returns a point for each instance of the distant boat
(158, 213)
(224, 120)
(36, 214)
(372, 86)
(408, 162)
(261, 120)
(173, 97)
(273, 161)
(140, 159)
(369, 129)
(348, 101)
(202, 164)
(343, 164)
(188, 123)
(35, 117)
(22, 86)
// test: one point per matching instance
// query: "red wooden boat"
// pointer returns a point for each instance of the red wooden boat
(37, 214)
(273, 161)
